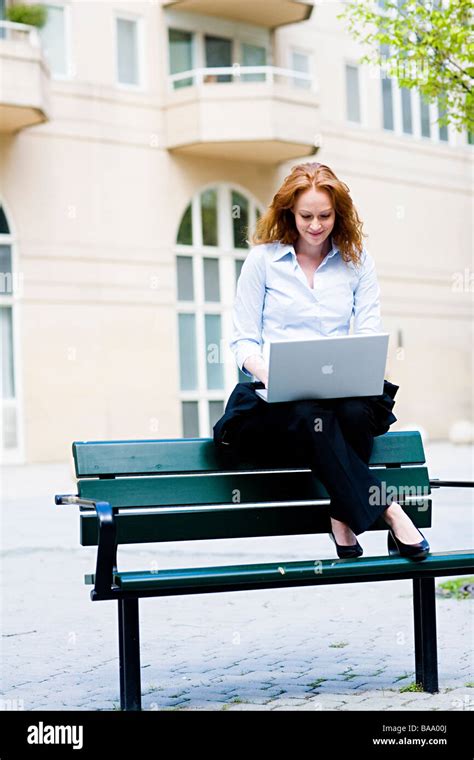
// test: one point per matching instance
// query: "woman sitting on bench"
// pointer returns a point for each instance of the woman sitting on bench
(307, 273)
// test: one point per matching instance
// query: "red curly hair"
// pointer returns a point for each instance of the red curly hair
(278, 223)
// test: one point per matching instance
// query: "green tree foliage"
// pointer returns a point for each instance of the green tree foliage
(423, 44)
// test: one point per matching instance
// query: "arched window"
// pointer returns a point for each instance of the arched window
(9, 443)
(210, 247)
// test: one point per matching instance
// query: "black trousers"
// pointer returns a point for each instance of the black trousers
(333, 437)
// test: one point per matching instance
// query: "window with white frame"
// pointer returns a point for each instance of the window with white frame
(302, 62)
(2, 17)
(387, 93)
(353, 109)
(181, 55)
(218, 53)
(425, 123)
(128, 41)
(253, 55)
(54, 40)
(9, 442)
(443, 132)
(407, 111)
(211, 246)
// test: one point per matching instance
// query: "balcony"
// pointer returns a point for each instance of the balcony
(262, 114)
(24, 78)
(260, 12)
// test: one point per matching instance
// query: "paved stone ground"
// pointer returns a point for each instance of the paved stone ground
(347, 647)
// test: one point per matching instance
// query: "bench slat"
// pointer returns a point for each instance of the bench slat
(94, 458)
(228, 522)
(292, 573)
(241, 488)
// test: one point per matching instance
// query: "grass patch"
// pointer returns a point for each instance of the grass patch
(412, 687)
(339, 644)
(453, 588)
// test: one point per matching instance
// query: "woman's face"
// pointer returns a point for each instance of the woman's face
(314, 215)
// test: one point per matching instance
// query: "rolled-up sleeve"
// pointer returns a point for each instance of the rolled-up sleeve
(366, 309)
(248, 308)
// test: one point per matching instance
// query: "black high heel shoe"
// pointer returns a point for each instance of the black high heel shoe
(347, 552)
(411, 551)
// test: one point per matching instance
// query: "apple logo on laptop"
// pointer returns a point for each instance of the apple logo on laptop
(327, 369)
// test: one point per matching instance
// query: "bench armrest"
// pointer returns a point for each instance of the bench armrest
(437, 483)
(62, 499)
(106, 564)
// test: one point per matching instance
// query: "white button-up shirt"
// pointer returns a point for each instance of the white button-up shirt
(274, 300)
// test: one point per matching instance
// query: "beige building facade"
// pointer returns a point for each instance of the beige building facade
(139, 141)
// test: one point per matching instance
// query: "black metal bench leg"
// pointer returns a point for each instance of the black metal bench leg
(418, 636)
(129, 653)
(121, 662)
(426, 654)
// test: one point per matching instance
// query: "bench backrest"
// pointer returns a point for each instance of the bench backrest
(185, 489)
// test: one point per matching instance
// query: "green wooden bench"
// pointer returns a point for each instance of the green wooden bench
(186, 489)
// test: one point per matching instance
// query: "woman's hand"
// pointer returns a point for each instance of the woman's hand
(256, 365)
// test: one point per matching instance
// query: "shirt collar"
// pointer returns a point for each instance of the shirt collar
(284, 250)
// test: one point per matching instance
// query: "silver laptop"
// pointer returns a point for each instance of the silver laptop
(340, 367)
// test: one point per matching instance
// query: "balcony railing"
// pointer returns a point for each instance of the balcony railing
(10, 30)
(24, 78)
(265, 114)
(239, 73)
